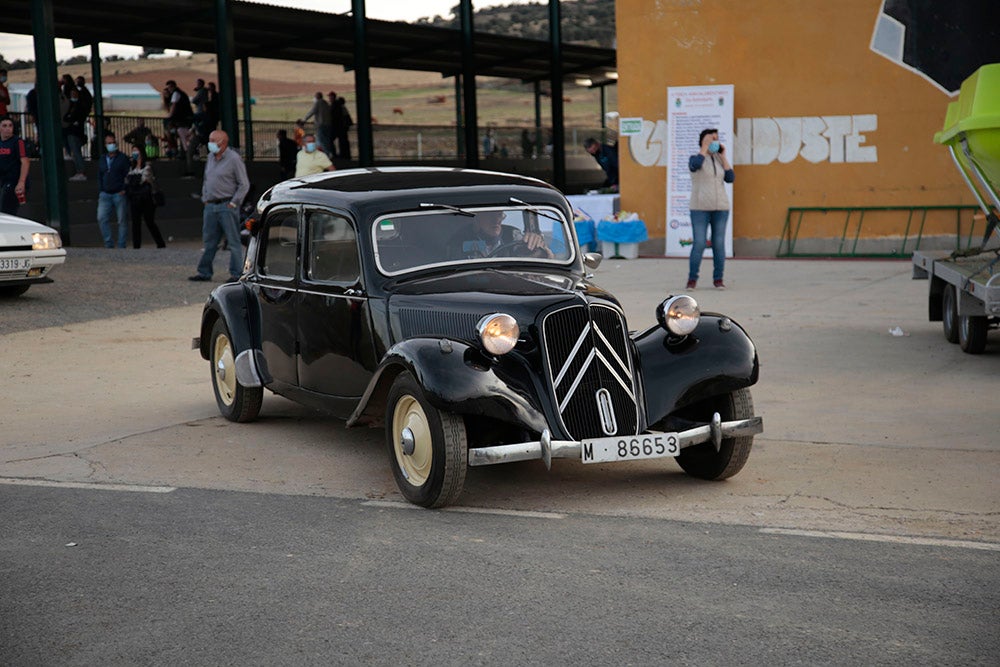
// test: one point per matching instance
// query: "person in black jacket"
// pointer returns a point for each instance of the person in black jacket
(606, 156)
(73, 130)
(287, 152)
(139, 186)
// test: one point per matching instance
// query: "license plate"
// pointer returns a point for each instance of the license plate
(15, 263)
(630, 448)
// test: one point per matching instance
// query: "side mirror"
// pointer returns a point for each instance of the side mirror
(592, 260)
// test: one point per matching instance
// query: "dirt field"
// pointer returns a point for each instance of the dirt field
(284, 90)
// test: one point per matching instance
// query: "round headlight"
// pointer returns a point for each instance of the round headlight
(498, 332)
(679, 315)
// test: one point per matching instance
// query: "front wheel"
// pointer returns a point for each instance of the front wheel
(11, 291)
(236, 402)
(427, 448)
(702, 460)
(972, 331)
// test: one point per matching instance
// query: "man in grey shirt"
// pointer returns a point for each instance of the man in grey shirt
(225, 186)
(324, 120)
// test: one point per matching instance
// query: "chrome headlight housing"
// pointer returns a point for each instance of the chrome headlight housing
(679, 315)
(45, 241)
(498, 333)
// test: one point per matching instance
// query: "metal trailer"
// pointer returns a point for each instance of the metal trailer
(965, 285)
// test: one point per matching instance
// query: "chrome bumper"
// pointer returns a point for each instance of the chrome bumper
(547, 449)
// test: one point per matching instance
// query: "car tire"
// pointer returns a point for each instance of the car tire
(11, 291)
(430, 463)
(702, 460)
(236, 402)
(972, 330)
(949, 313)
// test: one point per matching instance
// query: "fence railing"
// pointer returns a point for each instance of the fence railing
(873, 231)
(391, 142)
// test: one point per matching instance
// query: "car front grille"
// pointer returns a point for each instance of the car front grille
(590, 371)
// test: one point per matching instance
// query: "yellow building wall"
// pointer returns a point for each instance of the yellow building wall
(786, 59)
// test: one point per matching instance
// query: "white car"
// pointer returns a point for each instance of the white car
(28, 251)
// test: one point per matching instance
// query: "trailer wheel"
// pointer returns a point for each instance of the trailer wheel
(949, 313)
(972, 330)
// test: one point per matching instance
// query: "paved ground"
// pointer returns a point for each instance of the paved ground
(864, 431)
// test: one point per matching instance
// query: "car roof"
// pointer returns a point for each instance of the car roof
(408, 186)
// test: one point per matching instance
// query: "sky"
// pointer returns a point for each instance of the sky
(21, 47)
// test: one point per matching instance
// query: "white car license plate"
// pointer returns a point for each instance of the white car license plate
(630, 448)
(15, 263)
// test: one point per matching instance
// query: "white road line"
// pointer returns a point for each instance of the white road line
(874, 537)
(469, 510)
(83, 485)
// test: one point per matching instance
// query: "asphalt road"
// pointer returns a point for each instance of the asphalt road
(863, 530)
(224, 578)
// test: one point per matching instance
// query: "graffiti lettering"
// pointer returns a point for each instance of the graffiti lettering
(815, 139)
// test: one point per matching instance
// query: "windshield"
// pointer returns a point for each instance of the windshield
(419, 239)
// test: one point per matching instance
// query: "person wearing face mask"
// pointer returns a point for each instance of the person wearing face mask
(311, 160)
(112, 172)
(709, 205)
(4, 93)
(222, 191)
(140, 184)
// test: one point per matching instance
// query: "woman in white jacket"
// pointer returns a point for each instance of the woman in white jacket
(709, 205)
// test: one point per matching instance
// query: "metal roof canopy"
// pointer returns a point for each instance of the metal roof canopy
(265, 31)
(236, 30)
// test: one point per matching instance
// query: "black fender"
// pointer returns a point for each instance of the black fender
(717, 358)
(456, 378)
(232, 304)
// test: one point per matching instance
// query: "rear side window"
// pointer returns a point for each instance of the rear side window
(333, 248)
(280, 244)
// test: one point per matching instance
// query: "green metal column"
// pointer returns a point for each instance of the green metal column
(49, 121)
(538, 118)
(247, 104)
(469, 85)
(558, 129)
(95, 75)
(459, 119)
(226, 66)
(604, 113)
(362, 86)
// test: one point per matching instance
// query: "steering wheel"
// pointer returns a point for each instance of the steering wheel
(518, 249)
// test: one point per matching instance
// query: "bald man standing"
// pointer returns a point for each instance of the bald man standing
(225, 186)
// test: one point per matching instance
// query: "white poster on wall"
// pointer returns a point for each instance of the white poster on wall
(691, 109)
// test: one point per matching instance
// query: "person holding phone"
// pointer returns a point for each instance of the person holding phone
(709, 205)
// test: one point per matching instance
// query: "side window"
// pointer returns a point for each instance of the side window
(333, 248)
(280, 240)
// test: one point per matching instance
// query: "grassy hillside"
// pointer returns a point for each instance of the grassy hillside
(284, 90)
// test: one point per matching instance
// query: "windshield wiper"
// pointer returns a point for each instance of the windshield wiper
(453, 209)
(533, 209)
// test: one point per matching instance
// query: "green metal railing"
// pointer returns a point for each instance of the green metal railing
(853, 227)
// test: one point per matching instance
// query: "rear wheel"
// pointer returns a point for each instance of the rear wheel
(949, 313)
(236, 402)
(427, 448)
(13, 290)
(702, 460)
(972, 330)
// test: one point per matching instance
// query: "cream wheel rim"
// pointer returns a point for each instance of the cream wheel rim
(224, 367)
(409, 414)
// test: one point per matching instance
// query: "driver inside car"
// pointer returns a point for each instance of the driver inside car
(486, 234)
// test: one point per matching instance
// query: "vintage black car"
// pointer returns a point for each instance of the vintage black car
(453, 307)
